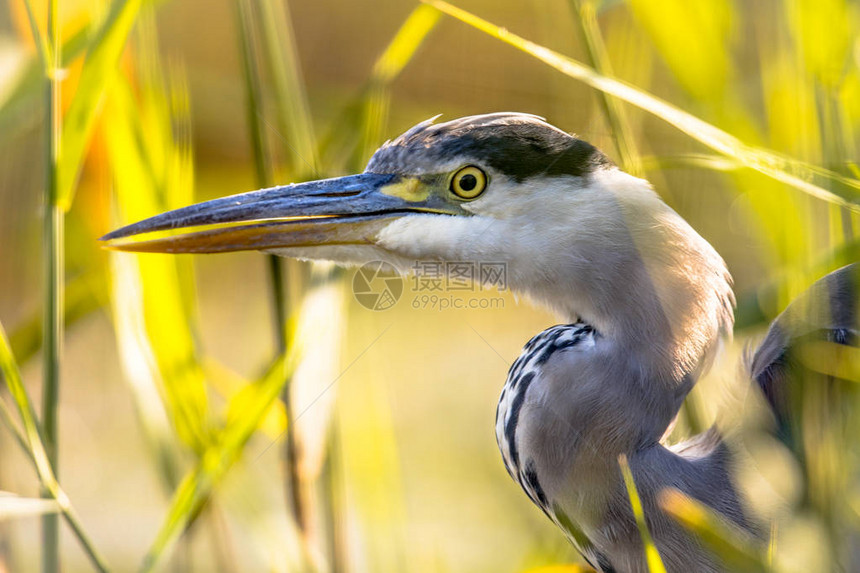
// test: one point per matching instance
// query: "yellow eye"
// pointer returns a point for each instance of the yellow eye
(468, 182)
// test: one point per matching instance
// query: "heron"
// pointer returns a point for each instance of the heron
(644, 301)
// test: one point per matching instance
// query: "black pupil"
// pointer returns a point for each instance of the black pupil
(468, 182)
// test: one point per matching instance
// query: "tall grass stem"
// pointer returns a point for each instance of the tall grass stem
(53, 267)
(264, 173)
(625, 143)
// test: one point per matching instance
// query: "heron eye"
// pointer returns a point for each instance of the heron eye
(468, 182)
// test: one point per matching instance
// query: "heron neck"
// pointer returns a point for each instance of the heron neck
(637, 272)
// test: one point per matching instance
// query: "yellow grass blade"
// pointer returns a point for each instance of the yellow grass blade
(730, 544)
(255, 402)
(399, 52)
(144, 160)
(652, 556)
(405, 43)
(99, 69)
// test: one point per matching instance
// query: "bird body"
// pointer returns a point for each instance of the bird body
(646, 300)
(560, 430)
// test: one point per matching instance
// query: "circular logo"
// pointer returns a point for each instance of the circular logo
(377, 286)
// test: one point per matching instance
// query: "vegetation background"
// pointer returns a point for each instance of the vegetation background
(151, 400)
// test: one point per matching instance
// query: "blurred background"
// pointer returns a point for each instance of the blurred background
(176, 381)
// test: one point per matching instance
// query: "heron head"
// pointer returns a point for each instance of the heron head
(487, 187)
(574, 231)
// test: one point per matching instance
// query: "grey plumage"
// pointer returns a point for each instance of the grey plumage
(559, 427)
(646, 300)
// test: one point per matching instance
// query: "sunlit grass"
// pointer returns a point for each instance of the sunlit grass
(652, 555)
(32, 440)
(735, 549)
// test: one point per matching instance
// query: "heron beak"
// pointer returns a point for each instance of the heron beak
(342, 211)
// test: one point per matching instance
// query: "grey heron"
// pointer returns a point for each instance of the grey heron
(644, 298)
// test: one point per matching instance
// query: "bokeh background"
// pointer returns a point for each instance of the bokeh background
(169, 375)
